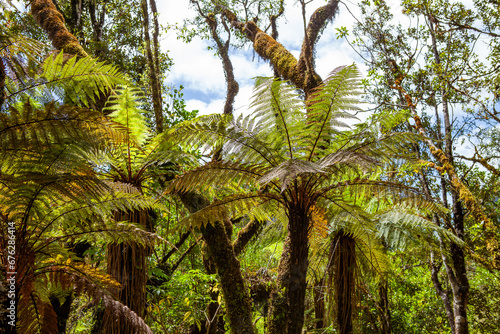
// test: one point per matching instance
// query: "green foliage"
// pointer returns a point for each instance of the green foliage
(76, 81)
(180, 302)
(175, 107)
(414, 300)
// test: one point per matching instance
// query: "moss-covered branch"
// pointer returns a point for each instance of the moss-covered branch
(268, 48)
(52, 22)
(245, 235)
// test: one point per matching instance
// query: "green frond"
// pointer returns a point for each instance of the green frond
(216, 173)
(119, 232)
(20, 57)
(26, 128)
(230, 206)
(77, 275)
(241, 139)
(334, 100)
(350, 158)
(124, 108)
(399, 228)
(201, 133)
(280, 113)
(77, 80)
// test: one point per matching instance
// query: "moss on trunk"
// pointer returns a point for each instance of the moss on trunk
(235, 292)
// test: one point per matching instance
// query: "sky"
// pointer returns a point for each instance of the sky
(200, 71)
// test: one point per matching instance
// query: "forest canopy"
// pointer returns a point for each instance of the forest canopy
(291, 199)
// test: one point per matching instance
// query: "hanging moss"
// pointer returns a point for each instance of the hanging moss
(47, 16)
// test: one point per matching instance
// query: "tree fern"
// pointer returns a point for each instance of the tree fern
(53, 195)
(299, 156)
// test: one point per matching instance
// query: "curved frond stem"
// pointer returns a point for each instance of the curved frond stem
(280, 112)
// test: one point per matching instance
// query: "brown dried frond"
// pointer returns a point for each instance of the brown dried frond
(121, 319)
(318, 231)
(35, 315)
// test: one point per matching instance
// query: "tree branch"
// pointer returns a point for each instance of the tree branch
(52, 22)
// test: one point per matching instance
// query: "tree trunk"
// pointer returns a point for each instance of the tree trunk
(459, 281)
(97, 19)
(235, 292)
(153, 70)
(126, 262)
(52, 22)
(343, 255)
(286, 310)
(319, 304)
(385, 312)
(442, 294)
(223, 48)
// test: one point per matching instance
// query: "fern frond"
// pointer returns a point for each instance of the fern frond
(330, 102)
(124, 108)
(96, 284)
(213, 173)
(127, 319)
(279, 111)
(287, 171)
(31, 129)
(35, 315)
(77, 80)
(118, 232)
(230, 206)
(352, 158)
(400, 228)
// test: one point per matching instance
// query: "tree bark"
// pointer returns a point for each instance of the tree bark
(223, 48)
(300, 72)
(343, 255)
(385, 311)
(286, 310)
(245, 235)
(458, 279)
(442, 294)
(126, 262)
(319, 304)
(235, 292)
(153, 69)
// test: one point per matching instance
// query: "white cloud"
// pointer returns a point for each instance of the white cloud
(200, 71)
(215, 106)
(243, 100)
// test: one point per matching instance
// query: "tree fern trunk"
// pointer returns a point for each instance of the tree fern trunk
(286, 311)
(319, 304)
(127, 264)
(343, 265)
